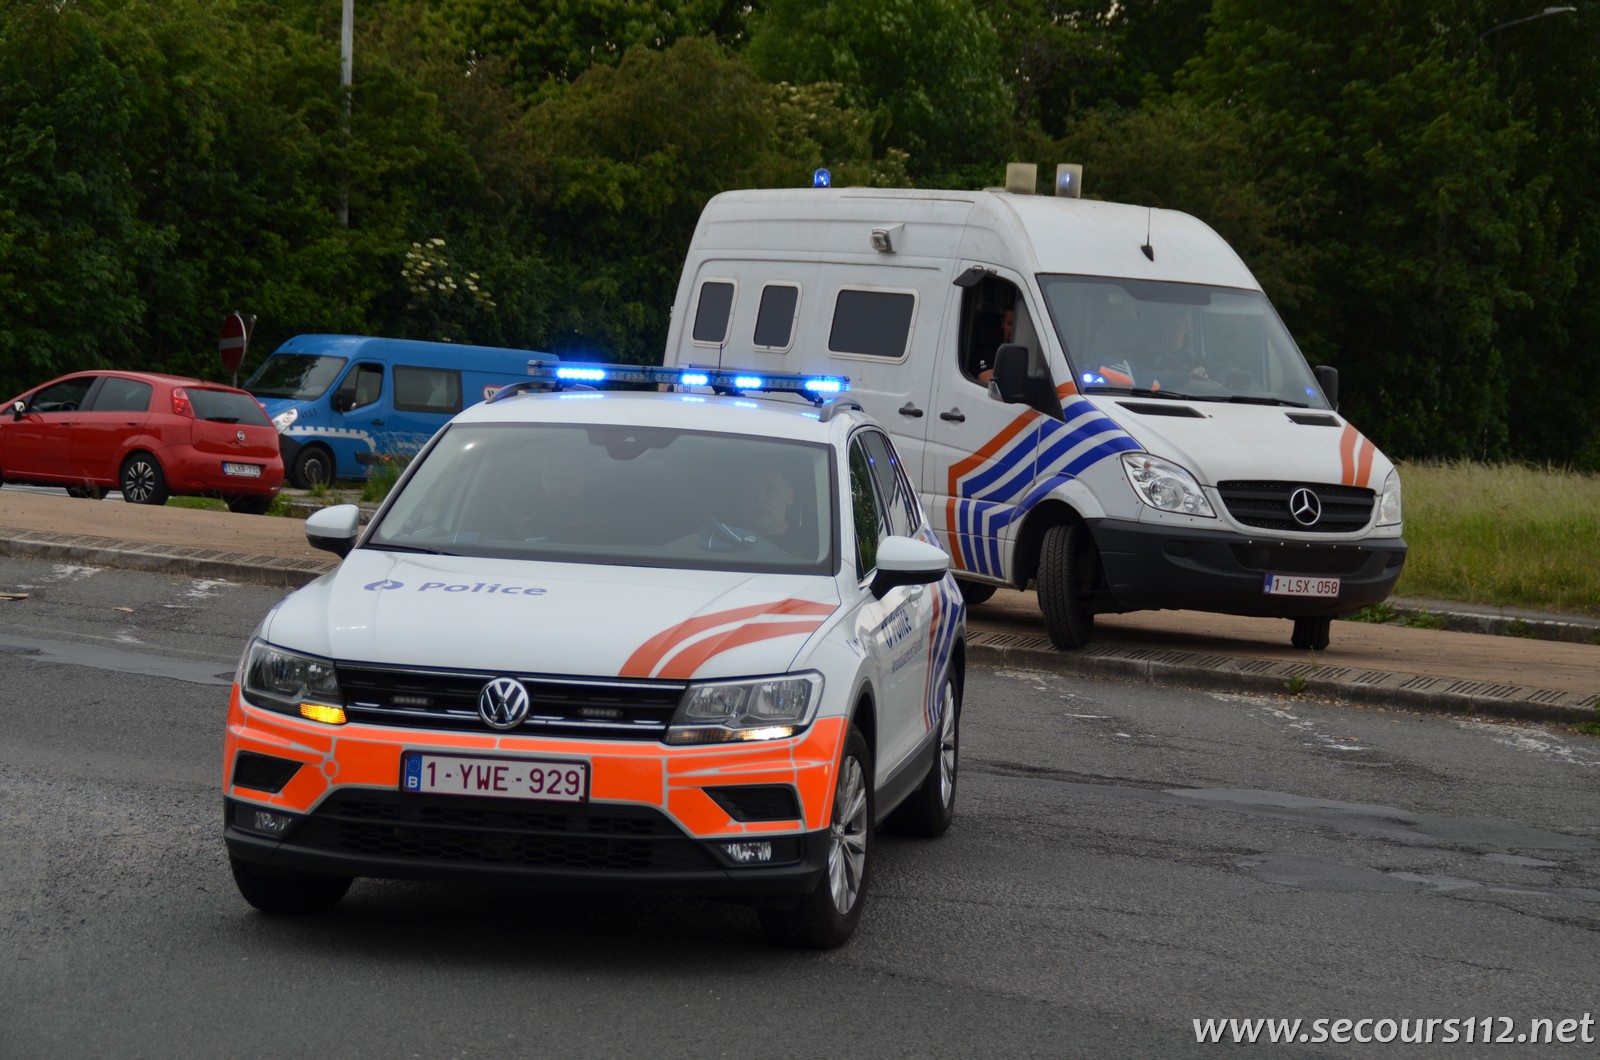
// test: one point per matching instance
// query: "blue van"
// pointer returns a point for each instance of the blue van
(343, 403)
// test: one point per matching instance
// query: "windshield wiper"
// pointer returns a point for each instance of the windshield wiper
(1245, 399)
(407, 548)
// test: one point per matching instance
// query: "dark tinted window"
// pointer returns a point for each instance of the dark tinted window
(301, 376)
(226, 406)
(122, 395)
(362, 386)
(870, 526)
(427, 389)
(711, 316)
(65, 396)
(775, 319)
(890, 477)
(873, 323)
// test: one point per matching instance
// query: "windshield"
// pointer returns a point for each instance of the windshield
(632, 496)
(1177, 340)
(301, 376)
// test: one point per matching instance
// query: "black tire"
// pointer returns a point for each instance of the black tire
(142, 480)
(1065, 577)
(287, 892)
(92, 493)
(1312, 632)
(248, 505)
(975, 593)
(820, 920)
(930, 809)
(312, 466)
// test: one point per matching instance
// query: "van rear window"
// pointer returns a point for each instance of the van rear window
(712, 314)
(872, 323)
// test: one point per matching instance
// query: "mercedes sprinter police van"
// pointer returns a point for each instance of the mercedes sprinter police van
(343, 403)
(1094, 397)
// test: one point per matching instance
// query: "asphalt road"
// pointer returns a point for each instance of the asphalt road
(1126, 859)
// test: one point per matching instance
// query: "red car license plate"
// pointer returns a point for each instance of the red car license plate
(557, 780)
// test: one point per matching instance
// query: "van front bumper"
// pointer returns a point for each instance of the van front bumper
(1149, 567)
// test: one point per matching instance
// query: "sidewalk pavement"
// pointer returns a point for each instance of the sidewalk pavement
(1541, 667)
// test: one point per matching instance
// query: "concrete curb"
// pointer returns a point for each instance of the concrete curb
(1224, 673)
(182, 559)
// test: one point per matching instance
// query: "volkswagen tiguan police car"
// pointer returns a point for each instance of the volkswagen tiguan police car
(691, 640)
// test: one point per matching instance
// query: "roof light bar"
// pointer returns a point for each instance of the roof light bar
(556, 374)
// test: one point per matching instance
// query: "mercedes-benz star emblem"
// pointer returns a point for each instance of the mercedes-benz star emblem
(1305, 507)
(503, 703)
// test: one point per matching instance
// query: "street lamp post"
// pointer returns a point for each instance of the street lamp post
(346, 64)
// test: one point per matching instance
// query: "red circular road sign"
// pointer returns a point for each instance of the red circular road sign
(231, 344)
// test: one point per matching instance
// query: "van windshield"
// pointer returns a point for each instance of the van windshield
(618, 495)
(301, 376)
(1177, 340)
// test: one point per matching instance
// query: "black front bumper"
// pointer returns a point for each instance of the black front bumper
(1149, 567)
(584, 846)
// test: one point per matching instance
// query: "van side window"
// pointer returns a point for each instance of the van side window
(427, 389)
(362, 386)
(711, 316)
(775, 318)
(988, 321)
(899, 507)
(122, 395)
(872, 323)
(868, 514)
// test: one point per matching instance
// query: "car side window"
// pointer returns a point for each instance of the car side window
(900, 508)
(122, 395)
(871, 527)
(65, 396)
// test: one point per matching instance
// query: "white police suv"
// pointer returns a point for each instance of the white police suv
(688, 640)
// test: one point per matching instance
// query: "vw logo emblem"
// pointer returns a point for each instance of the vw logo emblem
(1305, 507)
(503, 703)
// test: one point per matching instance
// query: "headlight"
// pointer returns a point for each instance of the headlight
(291, 683)
(1164, 485)
(285, 419)
(1389, 502)
(732, 711)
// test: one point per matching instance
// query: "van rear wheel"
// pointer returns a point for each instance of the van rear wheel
(1065, 577)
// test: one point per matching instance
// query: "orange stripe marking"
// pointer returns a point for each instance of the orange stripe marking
(687, 661)
(652, 651)
(1364, 469)
(1347, 455)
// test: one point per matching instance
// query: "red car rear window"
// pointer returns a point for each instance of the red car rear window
(226, 406)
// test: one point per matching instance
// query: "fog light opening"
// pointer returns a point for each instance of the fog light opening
(271, 823)
(749, 853)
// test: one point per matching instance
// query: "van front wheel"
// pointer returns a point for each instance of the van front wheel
(1066, 574)
(313, 467)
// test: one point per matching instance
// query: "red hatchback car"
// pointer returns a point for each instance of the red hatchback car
(149, 435)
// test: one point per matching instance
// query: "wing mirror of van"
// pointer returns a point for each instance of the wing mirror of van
(342, 401)
(1011, 373)
(907, 561)
(334, 529)
(1328, 379)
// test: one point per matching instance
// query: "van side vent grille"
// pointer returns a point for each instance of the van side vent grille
(1155, 408)
(1313, 419)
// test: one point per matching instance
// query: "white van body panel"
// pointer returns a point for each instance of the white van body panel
(994, 476)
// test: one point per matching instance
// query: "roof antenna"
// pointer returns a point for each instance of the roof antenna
(1149, 251)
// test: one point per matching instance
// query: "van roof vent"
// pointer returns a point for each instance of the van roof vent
(1161, 408)
(1313, 419)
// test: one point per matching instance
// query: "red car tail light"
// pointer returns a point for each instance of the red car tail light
(180, 403)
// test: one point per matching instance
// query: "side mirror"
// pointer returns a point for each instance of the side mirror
(1328, 379)
(342, 402)
(334, 529)
(906, 561)
(1011, 373)
(17, 409)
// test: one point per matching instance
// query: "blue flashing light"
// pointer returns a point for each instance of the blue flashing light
(694, 379)
(822, 179)
(582, 375)
(747, 382)
(555, 375)
(822, 386)
(1091, 379)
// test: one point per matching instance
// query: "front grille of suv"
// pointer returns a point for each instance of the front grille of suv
(431, 699)
(1345, 509)
(494, 832)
